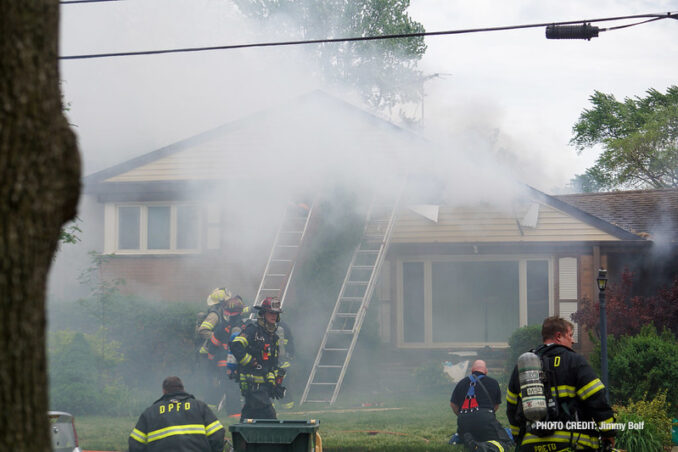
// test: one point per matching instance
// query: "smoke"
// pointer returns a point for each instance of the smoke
(284, 140)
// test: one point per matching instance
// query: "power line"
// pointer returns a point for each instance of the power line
(669, 15)
(70, 2)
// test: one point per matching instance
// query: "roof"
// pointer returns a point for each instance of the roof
(315, 129)
(652, 214)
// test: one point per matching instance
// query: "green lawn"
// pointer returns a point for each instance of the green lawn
(415, 423)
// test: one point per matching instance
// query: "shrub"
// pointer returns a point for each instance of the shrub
(81, 374)
(431, 378)
(522, 340)
(656, 432)
(643, 364)
(627, 314)
(112, 369)
(645, 439)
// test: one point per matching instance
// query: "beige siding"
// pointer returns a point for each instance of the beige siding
(202, 163)
(460, 225)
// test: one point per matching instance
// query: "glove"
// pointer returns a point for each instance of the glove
(280, 375)
(278, 392)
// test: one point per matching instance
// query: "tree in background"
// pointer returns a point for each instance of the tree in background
(39, 190)
(639, 138)
(384, 71)
(627, 314)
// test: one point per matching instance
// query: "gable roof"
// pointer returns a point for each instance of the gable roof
(651, 214)
(315, 126)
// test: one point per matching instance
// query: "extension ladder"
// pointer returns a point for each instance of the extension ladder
(341, 335)
(288, 239)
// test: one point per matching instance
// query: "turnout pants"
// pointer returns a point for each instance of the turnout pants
(482, 425)
(257, 405)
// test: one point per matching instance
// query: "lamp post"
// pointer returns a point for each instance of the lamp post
(602, 284)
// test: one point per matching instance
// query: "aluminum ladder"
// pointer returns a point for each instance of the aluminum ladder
(288, 239)
(341, 335)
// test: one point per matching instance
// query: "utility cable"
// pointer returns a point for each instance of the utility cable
(669, 15)
(70, 2)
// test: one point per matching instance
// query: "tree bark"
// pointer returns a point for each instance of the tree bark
(39, 190)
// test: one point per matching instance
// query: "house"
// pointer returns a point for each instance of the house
(462, 271)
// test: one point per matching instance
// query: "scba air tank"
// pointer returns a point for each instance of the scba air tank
(531, 387)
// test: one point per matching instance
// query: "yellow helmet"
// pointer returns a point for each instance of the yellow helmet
(234, 306)
(218, 295)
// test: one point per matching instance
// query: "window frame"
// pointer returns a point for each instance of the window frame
(111, 245)
(428, 295)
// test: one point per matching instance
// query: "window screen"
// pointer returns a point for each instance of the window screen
(128, 228)
(158, 228)
(413, 302)
(537, 292)
(187, 227)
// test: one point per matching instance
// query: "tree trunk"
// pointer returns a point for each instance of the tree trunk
(39, 189)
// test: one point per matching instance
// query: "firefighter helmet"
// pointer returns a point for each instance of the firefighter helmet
(270, 304)
(234, 306)
(218, 295)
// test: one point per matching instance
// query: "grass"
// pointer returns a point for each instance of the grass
(411, 422)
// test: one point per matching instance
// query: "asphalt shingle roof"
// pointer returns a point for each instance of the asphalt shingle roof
(648, 213)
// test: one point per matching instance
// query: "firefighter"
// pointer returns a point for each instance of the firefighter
(232, 321)
(286, 357)
(216, 303)
(256, 351)
(215, 308)
(177, 421)
(579, 414)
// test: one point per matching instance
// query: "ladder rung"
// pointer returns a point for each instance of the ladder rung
(297, 218)
(276, 275)
(287, 246)
(368, 258)
(263, 289)
(292, 232)
(281, 260)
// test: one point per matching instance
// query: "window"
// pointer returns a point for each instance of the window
(413, 302)
(471, 300)
(153, 228)
(474, 301)
(128, 228)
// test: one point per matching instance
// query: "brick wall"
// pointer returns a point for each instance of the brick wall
(182, 278)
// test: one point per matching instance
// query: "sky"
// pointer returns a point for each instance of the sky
(512, 91)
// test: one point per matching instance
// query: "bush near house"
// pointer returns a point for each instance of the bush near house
(523, 339)
(111, 358)
(643, 364)
(656, 432)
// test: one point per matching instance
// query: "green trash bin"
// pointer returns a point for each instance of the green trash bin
(273, 435)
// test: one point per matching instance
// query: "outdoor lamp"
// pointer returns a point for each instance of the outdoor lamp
(602, 283)
(602, 279)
